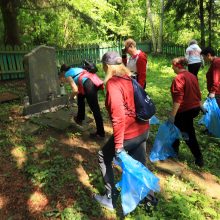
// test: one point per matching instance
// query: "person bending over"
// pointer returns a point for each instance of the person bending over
(85, 85)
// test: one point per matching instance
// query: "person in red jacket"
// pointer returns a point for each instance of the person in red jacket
(186, 97)
(213, 74)
(137, 62)
(128, 133)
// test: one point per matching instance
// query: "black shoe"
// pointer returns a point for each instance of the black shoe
(78, 121)
(150, 202)
(199, 162)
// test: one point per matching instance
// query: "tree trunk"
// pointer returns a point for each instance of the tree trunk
(151, 26)
(160, 37)
(202, 25)
(9, 11)
(210, 5)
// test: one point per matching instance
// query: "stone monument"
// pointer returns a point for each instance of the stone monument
(41, 74)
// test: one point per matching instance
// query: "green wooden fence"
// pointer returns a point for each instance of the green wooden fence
(11, 59)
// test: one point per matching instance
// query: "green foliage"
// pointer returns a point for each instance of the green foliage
(71, 213)
(49, 170)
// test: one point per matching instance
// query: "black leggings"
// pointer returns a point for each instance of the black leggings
(194, 68)
(136, 148)
(184, 121)
(92, 100)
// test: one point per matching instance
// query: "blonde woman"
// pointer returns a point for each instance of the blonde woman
(128, 134)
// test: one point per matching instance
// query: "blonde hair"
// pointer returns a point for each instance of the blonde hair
(129, 42)
(116, 70)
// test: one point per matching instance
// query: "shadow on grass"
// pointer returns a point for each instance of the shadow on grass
(42, 178)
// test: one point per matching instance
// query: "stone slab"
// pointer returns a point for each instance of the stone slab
(58, 124)
(29, 128)
(46, 105)
(61, 120)
(8, 96)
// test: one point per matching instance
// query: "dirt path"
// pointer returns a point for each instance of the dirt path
(206, 181)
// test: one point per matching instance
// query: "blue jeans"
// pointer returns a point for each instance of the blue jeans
(135, 147)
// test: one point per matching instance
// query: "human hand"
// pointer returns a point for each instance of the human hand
(72, 97)
(211, 95)
(171, 119)
(203, 109)
(118, 152)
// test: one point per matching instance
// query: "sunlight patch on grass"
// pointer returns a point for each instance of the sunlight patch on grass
(20, 156)
(3, 201)
(82, 176)
(174, 184)
(37, 202)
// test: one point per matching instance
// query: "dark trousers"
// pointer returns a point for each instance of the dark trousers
(184, 121)
(194, 68)
(92, 100)
(135, 147)
(217, 97)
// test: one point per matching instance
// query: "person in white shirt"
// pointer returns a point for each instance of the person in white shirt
(194, 58)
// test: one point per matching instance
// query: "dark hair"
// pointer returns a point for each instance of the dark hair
(64, 68)
(207, 50)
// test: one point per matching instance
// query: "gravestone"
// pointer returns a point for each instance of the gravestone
(42, 80)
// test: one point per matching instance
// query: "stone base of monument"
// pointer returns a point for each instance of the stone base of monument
(61, 120)
(46, 105)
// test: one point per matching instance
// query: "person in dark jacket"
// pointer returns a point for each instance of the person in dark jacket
(85, 85)
(186, 97)
(128, 133)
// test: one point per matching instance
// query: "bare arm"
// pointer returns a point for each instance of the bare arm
(72, 85)
(174, 109)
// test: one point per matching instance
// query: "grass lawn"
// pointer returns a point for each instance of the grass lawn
(53, 174)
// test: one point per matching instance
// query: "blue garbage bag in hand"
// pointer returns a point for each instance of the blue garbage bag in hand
(154, 120)
(162, 148)
(136, 182)
(212, 118)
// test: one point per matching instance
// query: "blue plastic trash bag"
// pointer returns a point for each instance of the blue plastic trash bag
(162, 148)
(135, 183)
(154, 120)
(212, 118)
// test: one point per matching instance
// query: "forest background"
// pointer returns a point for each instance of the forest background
(69, 23)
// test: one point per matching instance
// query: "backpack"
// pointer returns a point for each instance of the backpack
(89, 66)
(144, 106)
